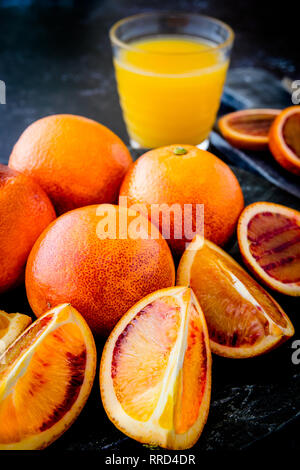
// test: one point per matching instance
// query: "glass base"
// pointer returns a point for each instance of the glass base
(136, 146)
(204, 145)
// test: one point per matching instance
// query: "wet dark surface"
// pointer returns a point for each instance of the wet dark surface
(58, 59)
(255, 402)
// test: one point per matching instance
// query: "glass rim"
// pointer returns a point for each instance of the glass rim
(116, 41)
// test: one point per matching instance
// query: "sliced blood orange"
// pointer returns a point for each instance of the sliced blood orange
(155, 373)
(284, 139)
(248, 128)
(11, 326)
(243, 319)
(46, 376)
(269, 240)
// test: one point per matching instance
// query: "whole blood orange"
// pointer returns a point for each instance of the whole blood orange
(101, 274)
(155, 373)
(284, 139)
(269, 241)
(181, 178)
(77, 161)
(46, 376)
(25, 211)
(243, 319)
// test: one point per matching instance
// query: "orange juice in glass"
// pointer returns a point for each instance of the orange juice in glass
(170, 70)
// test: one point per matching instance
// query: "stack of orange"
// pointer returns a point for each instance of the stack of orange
(111, 264)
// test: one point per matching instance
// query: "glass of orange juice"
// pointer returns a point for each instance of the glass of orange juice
(170, 70)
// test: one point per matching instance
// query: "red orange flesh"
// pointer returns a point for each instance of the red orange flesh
(156, 370)
(269, 240)
(242, 318)
(45, 378)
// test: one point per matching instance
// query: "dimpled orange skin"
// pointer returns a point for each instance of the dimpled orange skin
(76, 160)
(197, 177)
(25, 211)
(102, 278)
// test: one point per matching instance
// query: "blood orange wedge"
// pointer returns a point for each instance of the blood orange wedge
(248, 128)
(269, 240)
(11, 326)
(243, 319)
(46, 376)
(155, 374)
(284, 139)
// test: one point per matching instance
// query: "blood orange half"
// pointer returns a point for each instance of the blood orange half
(248, 128)
(284, 139)
(155, 374)
(243, 319)
(269, 240)
(46, 376)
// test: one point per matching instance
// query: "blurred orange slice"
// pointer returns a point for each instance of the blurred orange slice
(243, 319)
(11, 326)
(269, 240)
(155, 373)
(284, 139)
(249, 128)
(46, 376)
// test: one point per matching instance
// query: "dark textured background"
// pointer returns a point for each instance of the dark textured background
(58, 59)
(55, 57)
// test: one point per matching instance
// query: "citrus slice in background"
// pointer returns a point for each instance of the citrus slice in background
(11, 326)
(243, 319)
(269, 240)
(155, 373)
(46, 376)
(248, 128)
(284, 139)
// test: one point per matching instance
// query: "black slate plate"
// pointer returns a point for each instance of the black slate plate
(250, 398)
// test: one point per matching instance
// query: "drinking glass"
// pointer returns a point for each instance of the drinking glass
(170, 70)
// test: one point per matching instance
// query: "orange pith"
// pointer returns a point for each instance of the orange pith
(242, 318)
(284, 139)
(248, 128)
(45, 378)
(155, 370)
(269, 240)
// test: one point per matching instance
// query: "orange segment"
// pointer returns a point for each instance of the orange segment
(248, 128)
(242, 318)
(134, 351)
(155, 370)
(11, 326)
(193, 378)
(45, 379)
(269, 240)
(284, 139)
